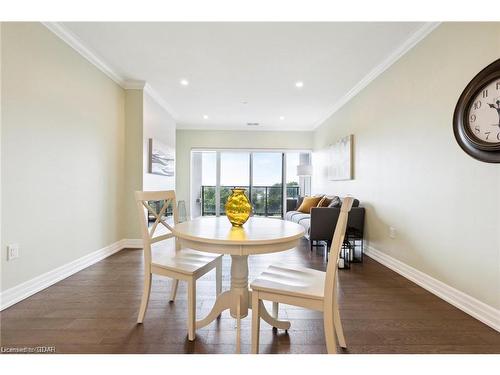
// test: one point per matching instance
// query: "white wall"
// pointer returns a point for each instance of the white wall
(186, 140)
(410, 172)
(74, 150)
(62, 153)
(159, 125)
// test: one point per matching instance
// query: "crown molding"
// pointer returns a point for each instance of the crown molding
(74, 42)
(158, 99)
(263, 128)
(133, 85)
(399, 52)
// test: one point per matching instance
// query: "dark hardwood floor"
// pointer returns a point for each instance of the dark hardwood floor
(94, 311)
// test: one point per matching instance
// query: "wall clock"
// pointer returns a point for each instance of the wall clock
(476, 121)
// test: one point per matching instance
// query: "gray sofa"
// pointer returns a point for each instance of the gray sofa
(320, 223)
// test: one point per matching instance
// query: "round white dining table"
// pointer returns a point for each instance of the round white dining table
(257, 236)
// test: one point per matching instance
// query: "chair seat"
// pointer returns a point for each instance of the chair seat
(186, 260)
(292, 281)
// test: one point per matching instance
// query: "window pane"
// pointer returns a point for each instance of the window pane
(234, 172)
(267, 196)
(234, 168)
(259, 201)
(267, 169)
(274, 200)
(203, 180)
(208, 201)
(292, 180)
(208, 168)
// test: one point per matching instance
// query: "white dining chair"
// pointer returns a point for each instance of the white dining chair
(305, 287)
(171, 261)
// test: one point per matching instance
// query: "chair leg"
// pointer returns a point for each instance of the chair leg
(255, 322)
(275, 310)
(191, 309)
(145, 297)
(173, 292)
(311, 245)
(329, 327)
(338, 326)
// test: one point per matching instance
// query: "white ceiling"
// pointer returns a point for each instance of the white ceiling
(258, 63)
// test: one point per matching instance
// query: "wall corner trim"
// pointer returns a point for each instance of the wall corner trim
(24, 290)
(134, 85)
(158, 99)
(468, 304)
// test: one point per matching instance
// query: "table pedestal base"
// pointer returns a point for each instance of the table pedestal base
(238, 299)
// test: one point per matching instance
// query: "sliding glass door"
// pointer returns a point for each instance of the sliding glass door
(234, 172)
(206, 167)
(268, 177)
(267, 188)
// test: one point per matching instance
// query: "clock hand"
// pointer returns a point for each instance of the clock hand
(497, 108)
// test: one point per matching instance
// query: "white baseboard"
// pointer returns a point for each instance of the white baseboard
(16, 294)
(128, 243)
(470, 305)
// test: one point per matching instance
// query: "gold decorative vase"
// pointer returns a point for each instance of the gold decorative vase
(238, 207)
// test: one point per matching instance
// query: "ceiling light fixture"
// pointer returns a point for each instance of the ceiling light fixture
(184, 82)
(299, 84)
(282, 118)
(252, 124)
(205, 117)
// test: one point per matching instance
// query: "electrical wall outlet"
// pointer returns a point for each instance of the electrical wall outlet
(392, 232)
(12, 251)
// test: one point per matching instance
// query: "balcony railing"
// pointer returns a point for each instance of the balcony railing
(265, 200)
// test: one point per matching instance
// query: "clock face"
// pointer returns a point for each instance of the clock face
(484, 114)
(476, 119)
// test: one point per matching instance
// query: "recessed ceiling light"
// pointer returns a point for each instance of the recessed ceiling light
(282, 117)
(205, 117)
(184, 82)
(299, 84)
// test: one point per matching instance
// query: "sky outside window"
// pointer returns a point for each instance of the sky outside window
(266, 168)
(292, 160)
(208, 168)
(235, 168)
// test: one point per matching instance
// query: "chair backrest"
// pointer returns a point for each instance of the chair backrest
(144, 208)
(337, 241)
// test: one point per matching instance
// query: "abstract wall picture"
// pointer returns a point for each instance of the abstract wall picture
(161, 159)
(340, 163)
